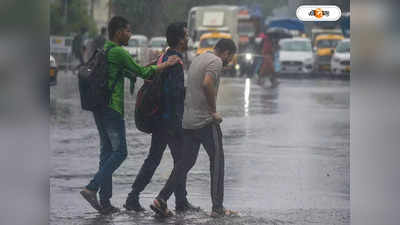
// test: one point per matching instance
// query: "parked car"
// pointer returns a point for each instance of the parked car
(138, 48)
(340, 63)
(53, 71)
(156, 46)
(323, 46)
(295, 55)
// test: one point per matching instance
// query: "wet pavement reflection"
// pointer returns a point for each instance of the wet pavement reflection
(286, 152)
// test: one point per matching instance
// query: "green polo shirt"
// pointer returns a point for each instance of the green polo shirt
(122, 64)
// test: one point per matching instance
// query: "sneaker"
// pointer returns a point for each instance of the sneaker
(110, 209)
(223, 212)
(160, 207)
(187, 207)
(91, 197)
(132, 203)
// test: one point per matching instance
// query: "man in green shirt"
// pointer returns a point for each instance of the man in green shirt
(110, 120)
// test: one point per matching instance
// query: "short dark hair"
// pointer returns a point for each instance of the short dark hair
(224, 45)
(116, 23)
(175, 33)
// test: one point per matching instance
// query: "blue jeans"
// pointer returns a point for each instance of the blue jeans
(113, 151)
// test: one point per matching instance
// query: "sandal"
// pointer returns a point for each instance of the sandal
(224, 212)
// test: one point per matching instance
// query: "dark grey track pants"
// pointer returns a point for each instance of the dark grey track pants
(211, 139)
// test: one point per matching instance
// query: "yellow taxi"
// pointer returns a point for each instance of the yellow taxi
(324, 46)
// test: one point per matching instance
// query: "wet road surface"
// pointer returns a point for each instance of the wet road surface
(286, 156)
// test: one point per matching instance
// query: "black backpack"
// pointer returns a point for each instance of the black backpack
(93, 81)
(148, 103)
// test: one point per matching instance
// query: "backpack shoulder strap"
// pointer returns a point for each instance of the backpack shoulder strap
(108, 49)
(160, 59)
(118, 73)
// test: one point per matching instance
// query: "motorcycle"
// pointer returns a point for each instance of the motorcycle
(246, 62)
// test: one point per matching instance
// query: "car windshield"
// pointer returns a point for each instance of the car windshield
(133, 43)
(157, 43)
(327, 43)
(296, 46)
(343, 46)
(142, 42)
(209, 42)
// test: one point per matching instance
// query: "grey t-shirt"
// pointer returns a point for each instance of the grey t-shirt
(197, 114)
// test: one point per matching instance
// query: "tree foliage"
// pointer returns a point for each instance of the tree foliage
(64, 22)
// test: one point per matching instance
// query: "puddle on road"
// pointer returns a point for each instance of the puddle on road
(279, 146)
(148, 217)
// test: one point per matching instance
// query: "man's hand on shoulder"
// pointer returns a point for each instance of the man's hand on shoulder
(172, 60)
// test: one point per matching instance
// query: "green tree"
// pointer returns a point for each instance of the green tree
(68, 16)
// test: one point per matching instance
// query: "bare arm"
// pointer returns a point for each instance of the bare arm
(209, 91)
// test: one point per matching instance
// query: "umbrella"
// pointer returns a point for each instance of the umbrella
(278, 33)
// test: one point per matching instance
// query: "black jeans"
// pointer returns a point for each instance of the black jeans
(159, 141)
(211, 139)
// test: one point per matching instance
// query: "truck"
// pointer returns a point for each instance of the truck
(210, 19)
(250, 20)
(213, 18)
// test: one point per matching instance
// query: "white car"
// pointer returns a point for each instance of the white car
(295, 55)
(137, 48)
(340, 63)
(156, 46)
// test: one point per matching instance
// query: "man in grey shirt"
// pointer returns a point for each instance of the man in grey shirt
(197, 110)
(201, 126)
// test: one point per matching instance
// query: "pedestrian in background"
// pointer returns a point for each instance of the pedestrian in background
(99, 41)
(78, 46)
